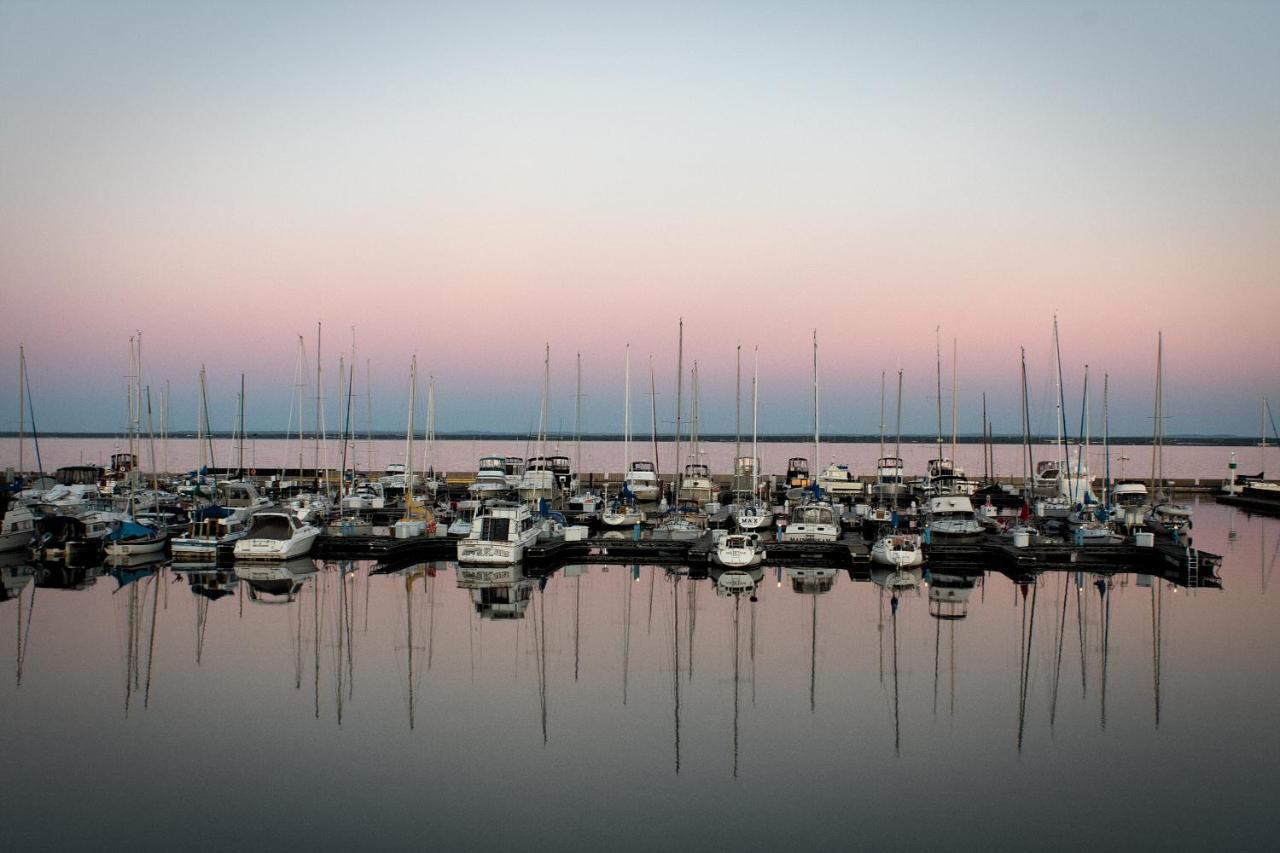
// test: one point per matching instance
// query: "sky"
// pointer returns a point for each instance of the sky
(469, 182)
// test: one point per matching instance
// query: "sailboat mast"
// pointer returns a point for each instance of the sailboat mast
(755, 403)
(408, 432)
(817, 460)
(577, 419)
(953, 400)
(882, 414)
(675, 476)
(543, 414)
(653, 421)
(626, 415)
(319, 404)
(1062, 409)
(937, 349)
(1106, 435)
(737, 411)
(240, 426)
(1155, 413)
(897, 447)
(986, 459)
(22, 407)
(1028, 460)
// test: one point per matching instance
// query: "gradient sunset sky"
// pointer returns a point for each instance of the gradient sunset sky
(469, 181)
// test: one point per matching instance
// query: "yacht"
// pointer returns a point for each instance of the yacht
(16, 526)
(491, 479)
(889, 484)
(837, 481)
(366, 495)
(545, 477)
(463, 515)
(696, 487)
(812, 522)
(499, 535)
(738, 551)
(951, 521)
(797, 473)
(276, 535)
(642, 480)
(902, 550)
(750, 513)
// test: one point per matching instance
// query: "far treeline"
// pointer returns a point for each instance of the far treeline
(777, 438)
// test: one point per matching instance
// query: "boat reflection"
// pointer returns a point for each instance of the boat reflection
(497, 592)
(275, 583)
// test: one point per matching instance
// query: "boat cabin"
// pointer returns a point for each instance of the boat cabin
(79, 475)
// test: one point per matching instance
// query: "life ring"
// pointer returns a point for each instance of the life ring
(253, 472)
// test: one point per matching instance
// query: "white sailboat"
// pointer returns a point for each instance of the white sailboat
(539, 479)
(902, 550)
(749, 511)
(738, 550)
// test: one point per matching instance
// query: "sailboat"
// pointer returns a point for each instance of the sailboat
(902, 550)
(750, 511)
(696, 486)
(1165, 516)
(641, 478)
(812, 517)
(539, 480)
(127, 537)
(622, 510)
(738, 550)
(585, 504)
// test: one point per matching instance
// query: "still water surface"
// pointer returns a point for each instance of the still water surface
(635, 708)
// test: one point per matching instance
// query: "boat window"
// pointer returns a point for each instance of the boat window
(495, 529)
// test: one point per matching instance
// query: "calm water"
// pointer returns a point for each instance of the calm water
(632, 708)
(599, 456)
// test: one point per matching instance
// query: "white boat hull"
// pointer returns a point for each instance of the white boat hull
(277, 549)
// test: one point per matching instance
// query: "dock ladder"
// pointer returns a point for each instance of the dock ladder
(1193, 567)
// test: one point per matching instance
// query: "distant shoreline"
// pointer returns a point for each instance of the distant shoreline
(776, 438)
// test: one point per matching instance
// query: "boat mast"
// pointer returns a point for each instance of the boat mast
(737, 412)
(164, 425)
(881, 414)
(1028, 459)
(937, 349)
(626, 416)
(986, 459)
(408, 432)
(1155, 414)
(1106, 438)
(897, 447)
(953, 404)
(675, 477)
(31, 413)
(368, 404)
(817, 460)
(653, 421)
(542, 415)
(429, 463)
(577, 420)
(1062, 409)
(22, 407)
(755, 402)
(240, 454)
(319, 436)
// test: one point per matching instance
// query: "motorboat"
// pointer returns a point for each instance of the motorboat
(642, 481)
(276, 535)
(74, 539)
(902, 550)
(889, 484)
(738, 550)
(814, 521)
(837, 481)
(696, 486)
(678, 526)
(1172, 519)
(545, 477)
(16, 526)
(797, 473)
(465, 512)
(499, 534)
(584, 505)
(951, 521)
(491, 478)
